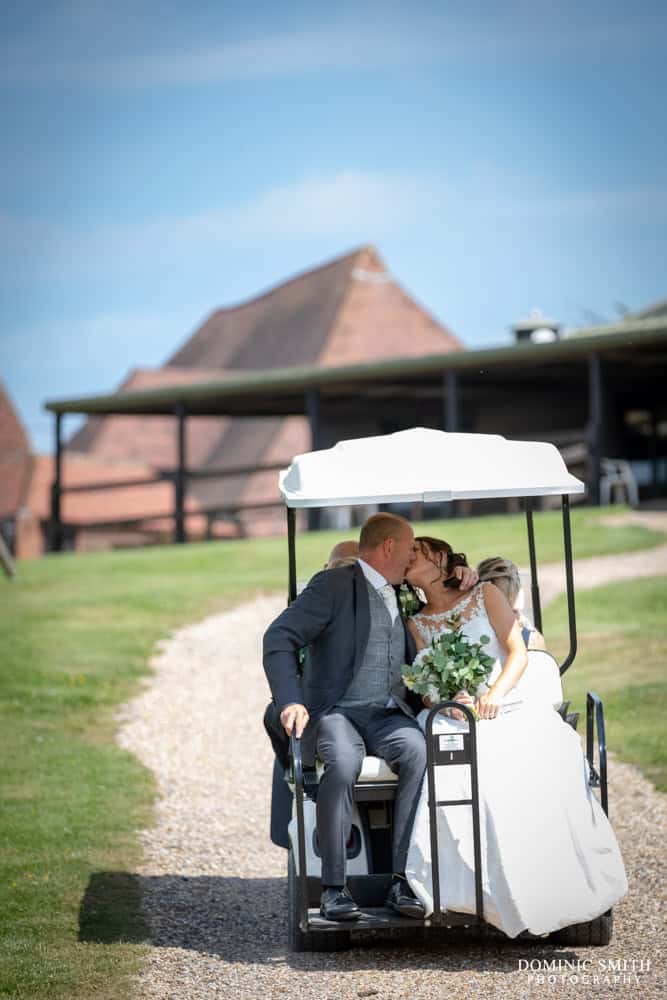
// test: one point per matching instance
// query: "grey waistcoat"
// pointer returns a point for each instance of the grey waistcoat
(379, 675)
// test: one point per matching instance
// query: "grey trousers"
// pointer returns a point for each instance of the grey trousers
(344, 737)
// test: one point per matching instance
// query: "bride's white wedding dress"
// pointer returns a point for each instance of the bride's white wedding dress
(549, 854)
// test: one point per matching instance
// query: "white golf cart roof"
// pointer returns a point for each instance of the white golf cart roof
(425, 465)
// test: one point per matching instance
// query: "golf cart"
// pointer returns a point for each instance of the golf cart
(424, 466)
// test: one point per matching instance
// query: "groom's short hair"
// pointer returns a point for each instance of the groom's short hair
(379, 527)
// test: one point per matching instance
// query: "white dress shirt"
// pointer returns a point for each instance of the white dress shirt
(384, 589)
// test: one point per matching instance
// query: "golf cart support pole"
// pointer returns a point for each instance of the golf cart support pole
(291, 553)
(569, 577)
(436, 756)
(534, 585)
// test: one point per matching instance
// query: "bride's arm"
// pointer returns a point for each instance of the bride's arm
(508, 631)
(420, 644)
(414, 632)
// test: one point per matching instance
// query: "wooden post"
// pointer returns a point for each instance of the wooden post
(450, 385)
(179, 479)
(655, 454)
(6, 560)
(56, 527)
(595, 430)
(314, 419)
(451, 401)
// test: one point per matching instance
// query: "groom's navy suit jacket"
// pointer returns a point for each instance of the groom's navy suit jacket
(332, 617)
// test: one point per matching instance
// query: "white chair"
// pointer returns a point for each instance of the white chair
(616, 472)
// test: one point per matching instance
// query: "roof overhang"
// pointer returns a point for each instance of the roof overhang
(284, 390)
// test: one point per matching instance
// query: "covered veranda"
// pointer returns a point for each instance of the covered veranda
(599, 392)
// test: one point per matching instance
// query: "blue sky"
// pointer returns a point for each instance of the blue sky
(163, 159)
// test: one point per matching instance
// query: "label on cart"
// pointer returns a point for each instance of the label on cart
(450, 741)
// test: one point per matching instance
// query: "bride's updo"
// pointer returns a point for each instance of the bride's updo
(451, 559)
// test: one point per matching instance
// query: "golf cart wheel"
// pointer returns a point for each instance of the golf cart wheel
(593, 933)
(297, 939)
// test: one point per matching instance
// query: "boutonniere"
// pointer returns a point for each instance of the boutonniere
(408, 601)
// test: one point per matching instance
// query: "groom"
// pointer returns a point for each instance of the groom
(351, 699)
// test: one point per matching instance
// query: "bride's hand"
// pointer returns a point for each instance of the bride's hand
(488, 705)
(467, 576)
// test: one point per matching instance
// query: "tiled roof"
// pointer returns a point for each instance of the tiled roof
(377, 319)
(287, 325)
(348, 310)
(150, 439)
(14, 457)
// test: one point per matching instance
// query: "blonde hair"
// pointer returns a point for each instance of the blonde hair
(503, 573)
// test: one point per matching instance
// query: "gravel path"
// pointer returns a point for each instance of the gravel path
(214, 886)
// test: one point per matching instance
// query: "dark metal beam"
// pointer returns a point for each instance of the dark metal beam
(180, 477)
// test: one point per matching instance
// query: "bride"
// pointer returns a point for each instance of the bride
(549, 856)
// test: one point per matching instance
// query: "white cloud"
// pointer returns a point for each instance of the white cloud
(96, 45)
(350, 205)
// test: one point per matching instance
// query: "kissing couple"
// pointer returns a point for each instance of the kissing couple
(349, 700)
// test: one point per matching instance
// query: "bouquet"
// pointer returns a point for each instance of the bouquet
(452, 663)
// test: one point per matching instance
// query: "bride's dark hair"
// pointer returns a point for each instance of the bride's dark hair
(429, 545)
(452, 559)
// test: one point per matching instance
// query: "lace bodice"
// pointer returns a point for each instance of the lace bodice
(474, 624)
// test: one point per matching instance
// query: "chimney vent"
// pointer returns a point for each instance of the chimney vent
(536, 328)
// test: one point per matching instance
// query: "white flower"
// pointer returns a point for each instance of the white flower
(433, 694)
(421, 656)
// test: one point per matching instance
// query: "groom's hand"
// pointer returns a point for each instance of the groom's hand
(467, 576)
(294, 717)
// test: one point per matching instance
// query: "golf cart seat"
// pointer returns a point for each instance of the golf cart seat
(375, 769)
(372, 769)
(376, 780)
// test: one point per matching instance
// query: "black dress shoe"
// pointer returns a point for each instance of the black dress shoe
(337, 904)
(402, 899)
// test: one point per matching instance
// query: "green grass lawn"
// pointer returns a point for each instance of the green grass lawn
(76, 632)
(622, 640)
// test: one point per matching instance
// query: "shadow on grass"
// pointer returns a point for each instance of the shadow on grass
(244, 920)
(110, 910)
